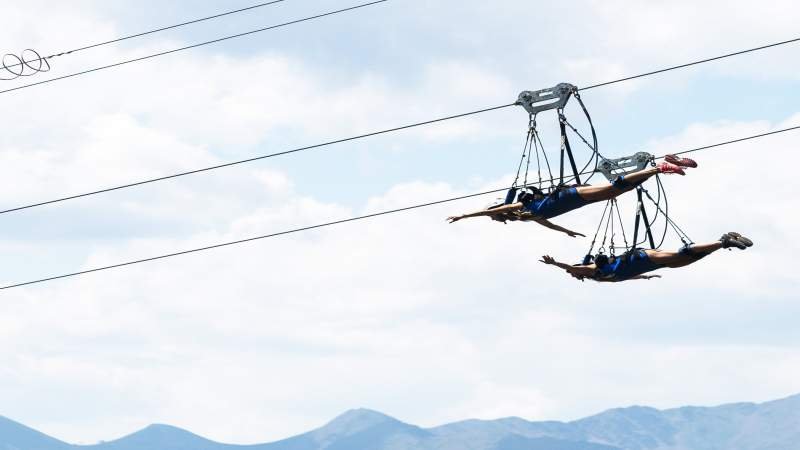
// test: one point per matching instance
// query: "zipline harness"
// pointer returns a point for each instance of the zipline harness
(611, 222)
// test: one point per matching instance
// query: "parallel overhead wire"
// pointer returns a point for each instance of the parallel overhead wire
(241, 241)
(214, 41)
(336, 222)
(243, 161)
(352, 219)
(755, 136)
(693, 63)
(157, 30)
(194, 171)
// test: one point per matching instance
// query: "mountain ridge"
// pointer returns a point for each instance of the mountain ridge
(771, 425)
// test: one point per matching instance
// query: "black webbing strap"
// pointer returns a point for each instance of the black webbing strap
(641, 214)
(566, 148)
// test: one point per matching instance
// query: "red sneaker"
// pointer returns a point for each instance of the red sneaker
(666, 167)
(682, 162)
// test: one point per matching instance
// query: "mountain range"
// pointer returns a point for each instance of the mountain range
(772, 425)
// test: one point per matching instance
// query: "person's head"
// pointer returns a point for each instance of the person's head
(601, 260)
(525, 197)
(529, 194)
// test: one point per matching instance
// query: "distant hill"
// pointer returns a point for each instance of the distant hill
(159, 437)
(15, 436)
(743, 426)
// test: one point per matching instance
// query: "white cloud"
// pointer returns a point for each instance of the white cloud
(428, 321)
(389, 301)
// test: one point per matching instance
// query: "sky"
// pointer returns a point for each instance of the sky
(406, 314)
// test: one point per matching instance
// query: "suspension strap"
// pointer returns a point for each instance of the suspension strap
(566, 148)
(531, 146)
(612, 247)
(544, 155)
(596, 156)
(638, 215)
(525, 148)
(600, 225)
(681, 234)
(641, 214)
(602, 248)
(647, 227)
(622, 226)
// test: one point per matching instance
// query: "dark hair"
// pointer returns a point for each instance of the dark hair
(529, 194)
(525, 197)
(601, 260)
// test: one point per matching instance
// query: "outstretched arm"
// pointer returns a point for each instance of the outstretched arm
(580, 272)
(488, 212)
(552, 226)
(644, 277)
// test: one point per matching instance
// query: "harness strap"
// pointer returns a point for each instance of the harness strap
(687, 250)
(622, 227)
(540, 144)
(525, 148)
(566, 148)
(641, 213)
(596, 233)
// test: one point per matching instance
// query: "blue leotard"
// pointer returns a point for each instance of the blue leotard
(627, 266)
(557, 203)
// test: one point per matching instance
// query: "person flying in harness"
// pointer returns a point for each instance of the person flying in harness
(634, 264)
(538, 206)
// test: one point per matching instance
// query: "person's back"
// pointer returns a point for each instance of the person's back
(561, 200)
(626, 266)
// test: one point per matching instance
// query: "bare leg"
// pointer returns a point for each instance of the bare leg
(609, 191)
(684, 258)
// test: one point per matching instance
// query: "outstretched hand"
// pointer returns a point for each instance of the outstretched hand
(648, 277)
(575, 234)
(547, 259)
(452, 219)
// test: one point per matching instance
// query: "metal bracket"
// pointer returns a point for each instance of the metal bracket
(612, 168)
(546, 99)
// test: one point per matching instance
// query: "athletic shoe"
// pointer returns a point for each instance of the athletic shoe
(741, 238)
(682, 162)
(666, 167)
(729, 241)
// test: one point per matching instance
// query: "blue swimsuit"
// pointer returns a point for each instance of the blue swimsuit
(555, 204)
(627, 266)
(565, 200)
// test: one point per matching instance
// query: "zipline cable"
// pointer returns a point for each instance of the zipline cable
(243, 161)
(336, 222)
(190, 172)
(693, 63)
(619, 80)
(240, 241)
(755, 136)
(214, 41)
(157, 30)
(338, 141)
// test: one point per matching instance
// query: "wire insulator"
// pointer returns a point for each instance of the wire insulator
(28, 63)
